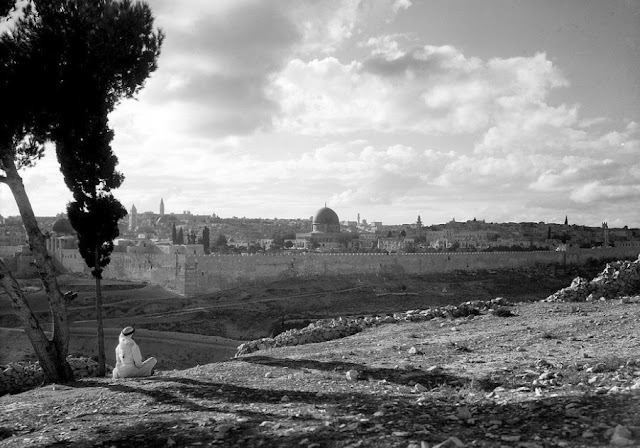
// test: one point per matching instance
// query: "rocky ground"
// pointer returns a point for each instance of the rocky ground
(529, 375)
(543, 375)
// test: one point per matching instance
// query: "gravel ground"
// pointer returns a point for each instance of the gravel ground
(554, 374)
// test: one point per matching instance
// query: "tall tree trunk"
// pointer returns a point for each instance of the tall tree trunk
(97, 274)
(52, 354)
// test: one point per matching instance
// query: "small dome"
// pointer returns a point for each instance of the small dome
(62, 226)
(326, 220)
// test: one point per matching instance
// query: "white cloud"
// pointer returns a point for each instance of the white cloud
(595, 191)
(327, 24)
(218, 57)
(400, 4)
(44, 185)
(281, 106)
(427, 89)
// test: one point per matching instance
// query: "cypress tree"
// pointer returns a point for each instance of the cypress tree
(205, 240)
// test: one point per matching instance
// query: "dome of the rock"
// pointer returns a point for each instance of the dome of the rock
(327, 221)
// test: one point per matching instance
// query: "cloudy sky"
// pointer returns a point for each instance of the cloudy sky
(503, 110)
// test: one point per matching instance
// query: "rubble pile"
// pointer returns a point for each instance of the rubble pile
(620, 278)
(20, 376)
(329, 329)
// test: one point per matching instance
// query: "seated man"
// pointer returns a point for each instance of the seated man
(128, 358)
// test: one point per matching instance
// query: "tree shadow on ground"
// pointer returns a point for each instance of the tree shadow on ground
(369, 419)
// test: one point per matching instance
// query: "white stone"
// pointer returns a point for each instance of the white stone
(352, 375)
(419, 388)
(621, 437)
(451, 442)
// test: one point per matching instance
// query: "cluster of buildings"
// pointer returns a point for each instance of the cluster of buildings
(326, 232)
(151, 232)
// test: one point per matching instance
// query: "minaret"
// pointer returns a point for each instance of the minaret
(161, 207)
(358, 218)
(133, 218)
(419, 227)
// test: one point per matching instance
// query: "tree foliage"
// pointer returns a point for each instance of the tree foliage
(70, 56)
(64, 66)
(97, 225)
(221, 240)
(6, 6)
(206, 242)
(95, 220)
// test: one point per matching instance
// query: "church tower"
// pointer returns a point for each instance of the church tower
(161, 207)
(133, 218)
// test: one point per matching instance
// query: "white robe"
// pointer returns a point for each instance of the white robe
(129, 360)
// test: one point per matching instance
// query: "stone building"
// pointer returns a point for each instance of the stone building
(62, 236)
(325, 233)
(62, 244)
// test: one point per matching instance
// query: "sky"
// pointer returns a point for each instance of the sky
(507, 111)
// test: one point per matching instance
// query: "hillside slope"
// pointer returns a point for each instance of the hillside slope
(260, 310)
(554, 374)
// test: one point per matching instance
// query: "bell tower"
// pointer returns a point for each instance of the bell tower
(133, 218)
(605, 231)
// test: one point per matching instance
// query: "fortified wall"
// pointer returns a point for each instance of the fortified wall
(166, 270)
(200, 274)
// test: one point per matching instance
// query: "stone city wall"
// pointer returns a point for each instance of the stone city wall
(200, 274)
(157, 269)
(25, 267)
(217, 272)
(9, 251)
(72, 261)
